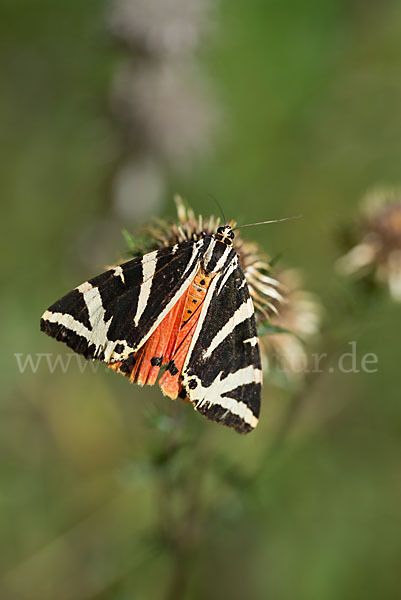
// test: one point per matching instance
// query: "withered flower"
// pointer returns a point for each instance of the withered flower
(374, 249)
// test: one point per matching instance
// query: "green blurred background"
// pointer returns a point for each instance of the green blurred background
(307, 99)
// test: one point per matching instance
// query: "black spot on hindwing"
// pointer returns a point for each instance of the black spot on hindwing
(172, 368)
(128, 364)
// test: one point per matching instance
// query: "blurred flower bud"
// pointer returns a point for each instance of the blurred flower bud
(166, 109)
(161, 28)
(374, 242)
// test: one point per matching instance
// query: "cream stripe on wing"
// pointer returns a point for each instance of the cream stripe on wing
(241, 314)
(67, 321)
(222, 260)
(148, 271)
(209, 253)
(96, 312)
(233, 265)
(195, 252)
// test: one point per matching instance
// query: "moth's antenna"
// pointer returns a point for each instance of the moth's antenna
(219, 206)
(266, 222)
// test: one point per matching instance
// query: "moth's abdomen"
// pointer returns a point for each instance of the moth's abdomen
(171, 380)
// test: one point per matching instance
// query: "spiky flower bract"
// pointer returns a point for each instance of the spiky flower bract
(294, 326)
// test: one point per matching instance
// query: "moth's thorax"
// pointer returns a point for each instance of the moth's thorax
(224, 234)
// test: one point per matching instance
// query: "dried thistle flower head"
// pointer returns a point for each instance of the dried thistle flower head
(374, 250)
(296, 323)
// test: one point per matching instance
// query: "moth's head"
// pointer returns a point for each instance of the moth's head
(224, 234)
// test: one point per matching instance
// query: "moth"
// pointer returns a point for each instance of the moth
(186, 308)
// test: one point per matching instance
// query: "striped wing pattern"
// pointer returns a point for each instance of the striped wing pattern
(112, 315)
(222, 374)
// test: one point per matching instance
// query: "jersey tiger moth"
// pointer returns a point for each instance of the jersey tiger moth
(186, 307)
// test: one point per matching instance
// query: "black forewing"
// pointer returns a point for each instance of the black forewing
(99, 319)
(222, 376)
